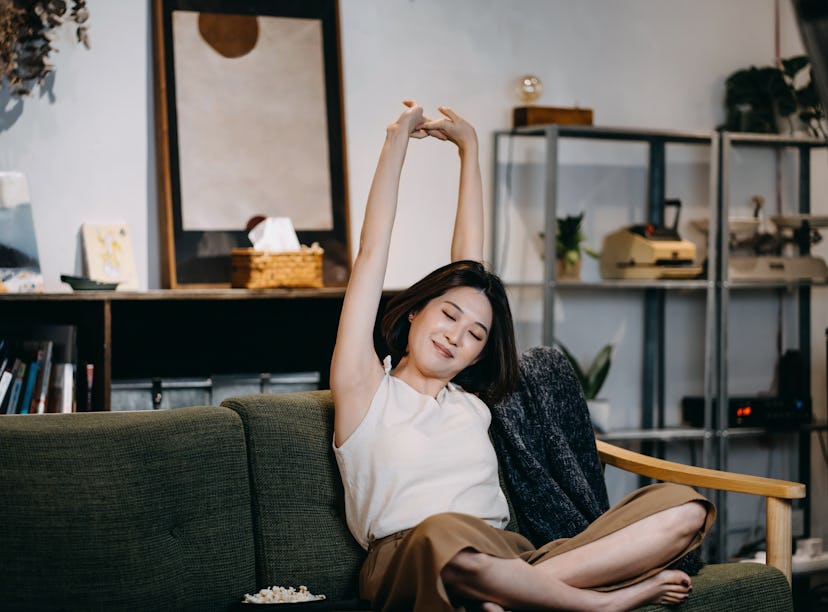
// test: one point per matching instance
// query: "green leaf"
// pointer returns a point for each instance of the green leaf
(793, 65)
(593, 379)
(579, 373)
(597, 373)
(808, 97)
(569, 240)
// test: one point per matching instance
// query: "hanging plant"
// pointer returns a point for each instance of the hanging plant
(27, 39)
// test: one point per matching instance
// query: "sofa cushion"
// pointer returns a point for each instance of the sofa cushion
(140, 510)
(299, 509)
(735, 587)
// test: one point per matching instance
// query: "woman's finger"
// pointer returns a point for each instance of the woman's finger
(449, 112)
(434, 124)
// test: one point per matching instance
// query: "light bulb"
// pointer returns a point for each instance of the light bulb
(529, 88)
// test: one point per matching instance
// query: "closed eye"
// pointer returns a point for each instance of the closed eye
(445, 312)
(476, 337)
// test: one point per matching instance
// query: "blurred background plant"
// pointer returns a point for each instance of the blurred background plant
(27, 37)
(569, 241)
(591, 377)
(760, 99)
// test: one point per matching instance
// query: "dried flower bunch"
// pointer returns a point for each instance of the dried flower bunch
(27, 39)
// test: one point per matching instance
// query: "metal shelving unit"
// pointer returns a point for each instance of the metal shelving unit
(716, 287)
(724, 286)
(653, 291)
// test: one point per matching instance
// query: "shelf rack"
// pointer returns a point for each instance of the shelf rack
(803, 146)
(716, 287)
(657, 141)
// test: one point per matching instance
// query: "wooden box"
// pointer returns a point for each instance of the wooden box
(540, 115)
(261, 270)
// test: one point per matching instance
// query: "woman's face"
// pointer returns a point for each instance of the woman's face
(450, 332)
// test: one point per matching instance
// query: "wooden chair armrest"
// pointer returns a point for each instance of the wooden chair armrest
(779, 493)
(670, 471)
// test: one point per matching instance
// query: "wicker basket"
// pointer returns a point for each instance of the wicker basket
(261, 270)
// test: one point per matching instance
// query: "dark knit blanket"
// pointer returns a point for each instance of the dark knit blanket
(546, 447)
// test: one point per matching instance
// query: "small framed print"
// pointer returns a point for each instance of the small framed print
(108, 256)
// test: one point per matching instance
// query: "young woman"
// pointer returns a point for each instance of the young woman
(411, 435)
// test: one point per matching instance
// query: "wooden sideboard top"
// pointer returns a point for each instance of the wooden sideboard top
(176, 294)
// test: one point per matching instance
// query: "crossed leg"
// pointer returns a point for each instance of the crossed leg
(651, 542)
(564, 582)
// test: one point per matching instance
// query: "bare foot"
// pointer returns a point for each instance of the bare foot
(667, 587)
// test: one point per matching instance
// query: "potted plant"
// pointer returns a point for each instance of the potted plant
(592, 378)
(759, 99)
(568, 247)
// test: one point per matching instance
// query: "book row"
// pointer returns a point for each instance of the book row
(37, 375)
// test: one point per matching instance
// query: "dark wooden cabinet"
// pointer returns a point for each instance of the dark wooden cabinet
(179, 333)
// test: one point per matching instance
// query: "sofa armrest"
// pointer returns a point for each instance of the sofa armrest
(778, 493)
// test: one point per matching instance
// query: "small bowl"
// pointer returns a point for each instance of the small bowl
(316, 605)
(80, 283)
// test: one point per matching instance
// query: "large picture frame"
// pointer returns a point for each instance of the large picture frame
(249, 124)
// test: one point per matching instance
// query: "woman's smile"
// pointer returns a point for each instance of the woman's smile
(445, 352)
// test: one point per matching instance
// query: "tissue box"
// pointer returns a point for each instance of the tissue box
(254, 269)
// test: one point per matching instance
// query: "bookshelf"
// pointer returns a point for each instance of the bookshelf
(190, 332)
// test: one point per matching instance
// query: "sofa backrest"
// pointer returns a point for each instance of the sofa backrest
(140, 510)
(298, 501)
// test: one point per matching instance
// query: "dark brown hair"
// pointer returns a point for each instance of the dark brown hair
(496, 372)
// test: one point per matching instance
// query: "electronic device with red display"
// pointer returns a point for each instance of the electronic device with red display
(756, 411)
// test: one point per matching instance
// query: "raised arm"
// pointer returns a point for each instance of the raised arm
(467, 241)
(355, 368)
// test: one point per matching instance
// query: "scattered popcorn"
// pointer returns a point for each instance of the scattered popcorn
(277, 594)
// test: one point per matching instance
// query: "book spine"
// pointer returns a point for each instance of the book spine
(90, 379)
(62, 388)
(17, 386)
(43, 391)
(29, 390)
(5, 383)
(4, 403)
(68, 391)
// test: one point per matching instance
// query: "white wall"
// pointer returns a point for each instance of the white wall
(639, 63)
(88, 149)
(88, 152)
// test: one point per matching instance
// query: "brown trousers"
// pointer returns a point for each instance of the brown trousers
(402, 571)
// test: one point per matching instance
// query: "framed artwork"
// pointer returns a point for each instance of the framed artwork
(108, 255)
(248, 125)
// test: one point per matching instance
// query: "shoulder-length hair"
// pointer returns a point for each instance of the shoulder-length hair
(496, 372)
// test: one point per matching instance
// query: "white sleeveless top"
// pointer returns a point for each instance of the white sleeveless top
(413, 456)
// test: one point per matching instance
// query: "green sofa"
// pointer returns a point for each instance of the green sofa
(190, 509)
